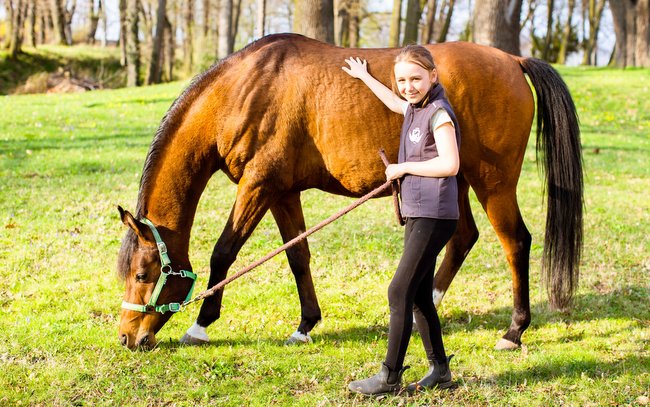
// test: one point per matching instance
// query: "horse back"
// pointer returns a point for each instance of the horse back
(284, 105)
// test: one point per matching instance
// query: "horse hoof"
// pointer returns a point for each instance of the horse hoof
(298, 338)
(505, 344)
(190, 340)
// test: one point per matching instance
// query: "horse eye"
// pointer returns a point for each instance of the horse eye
(140, 277)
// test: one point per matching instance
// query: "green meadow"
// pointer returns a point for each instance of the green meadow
(67, 161)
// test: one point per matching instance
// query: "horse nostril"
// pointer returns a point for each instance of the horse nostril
(144, 341)
(124, 339)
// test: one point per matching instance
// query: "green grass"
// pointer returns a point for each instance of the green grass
(67, 161)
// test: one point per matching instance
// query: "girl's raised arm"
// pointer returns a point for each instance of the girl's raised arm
(359, 69)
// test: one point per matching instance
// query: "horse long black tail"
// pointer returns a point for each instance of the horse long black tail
(558, 141)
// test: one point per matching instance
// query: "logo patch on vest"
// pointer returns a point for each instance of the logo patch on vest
(415, 135)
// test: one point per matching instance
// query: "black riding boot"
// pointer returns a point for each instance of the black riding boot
(438, 375)
(386, 381)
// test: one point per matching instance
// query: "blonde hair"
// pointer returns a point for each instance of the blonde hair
(415, 54)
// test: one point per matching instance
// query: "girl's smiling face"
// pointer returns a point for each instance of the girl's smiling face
(413, 81)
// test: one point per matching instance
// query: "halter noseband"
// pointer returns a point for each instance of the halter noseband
(165, 271)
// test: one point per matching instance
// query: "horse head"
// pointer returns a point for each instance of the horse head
(155, 288)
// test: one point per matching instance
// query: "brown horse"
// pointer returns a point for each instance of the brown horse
(280, 117)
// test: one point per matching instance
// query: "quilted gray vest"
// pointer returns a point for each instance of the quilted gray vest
(426, 197)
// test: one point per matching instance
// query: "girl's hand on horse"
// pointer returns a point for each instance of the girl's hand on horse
(358, 67)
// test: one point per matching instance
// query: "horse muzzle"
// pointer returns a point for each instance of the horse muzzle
(144, 341)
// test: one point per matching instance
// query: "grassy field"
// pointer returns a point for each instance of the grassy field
(67, 161)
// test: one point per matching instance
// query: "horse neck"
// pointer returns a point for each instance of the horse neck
(176, 173)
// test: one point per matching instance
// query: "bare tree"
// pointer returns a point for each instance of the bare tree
(155, 64)
(58, 18)
(566, 33)
(260, 19)
(355, 22)
(411, 22)
(122, 8)
(395, 24)
(550, 6)
(444, 19)
(68, 14)
(631, 25)
(18, 9)
(188, 46)
(31, 19)
(132, 44)
(234, 26)
(94, 13)
(496, 23)
(315, 19)
(169, 51)
(594, 10)
(429, 21)
(225, 28)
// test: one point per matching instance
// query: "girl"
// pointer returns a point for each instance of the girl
(428, 163)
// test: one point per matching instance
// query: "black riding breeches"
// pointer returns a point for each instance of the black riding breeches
(410, 291)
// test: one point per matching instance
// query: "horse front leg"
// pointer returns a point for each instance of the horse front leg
(250, 206)
(458, 246)
(291, 222)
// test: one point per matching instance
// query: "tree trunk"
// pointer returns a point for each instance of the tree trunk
(595, 13)
(631, 19)
(395, 24)
(550, 5)
(445, 20)
(429, 23)
(155, 64)
(102, 18)
(188, 46)
(31, 18)
(169, 51)
(342, 24)
(566, 33)
(411, 22)
(58, 18)
(315, 19)
(132, 44)
(234, 26)
(123, 31)
(643, 34)
(41, 17)
(15, 36)
(225, 27)
(67, 20)
(496, 23)
(94, 14)
(354, 26)
(260, 19)
(9, 27)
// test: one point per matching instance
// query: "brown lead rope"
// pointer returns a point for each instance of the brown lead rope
(295, 240)
(395, 186)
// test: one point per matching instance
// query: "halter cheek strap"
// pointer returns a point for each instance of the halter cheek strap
(165, 271)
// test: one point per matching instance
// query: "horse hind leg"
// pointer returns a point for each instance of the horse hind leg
(458, 246)
(291, 222)
(504, 215)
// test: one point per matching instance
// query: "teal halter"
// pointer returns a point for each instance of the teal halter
(165, 271)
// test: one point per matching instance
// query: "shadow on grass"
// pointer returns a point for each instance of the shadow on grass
(628, 302)
(625, 303)
(571, 369)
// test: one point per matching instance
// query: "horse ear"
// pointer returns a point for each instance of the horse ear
(141, 230)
